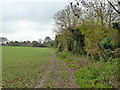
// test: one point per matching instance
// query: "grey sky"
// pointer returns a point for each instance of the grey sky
(26, 20)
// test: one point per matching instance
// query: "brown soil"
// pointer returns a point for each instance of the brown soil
(72, 78)
(57, 81)
(44, 78)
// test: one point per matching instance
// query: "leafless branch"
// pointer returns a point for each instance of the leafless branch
(114, 7)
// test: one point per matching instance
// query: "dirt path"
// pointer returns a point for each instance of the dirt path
(58, 76)
(72, 78)
(44, 78)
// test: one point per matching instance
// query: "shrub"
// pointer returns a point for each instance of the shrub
(107, 44)
(107, 47)
(60, 47)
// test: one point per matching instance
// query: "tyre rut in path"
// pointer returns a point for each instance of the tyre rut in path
(44, 78)
(72, 81)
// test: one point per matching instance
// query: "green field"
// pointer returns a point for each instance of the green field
(24, 66)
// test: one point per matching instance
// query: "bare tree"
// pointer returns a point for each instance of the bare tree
(97, 10)
(40, 41)
(118, 11)
(3, 40)
(47, 39)
(66, 18)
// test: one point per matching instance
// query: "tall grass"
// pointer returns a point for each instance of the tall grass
(99, 75)
(73, 60)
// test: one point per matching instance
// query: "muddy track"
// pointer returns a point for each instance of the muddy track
(72, 82)
(44, 78)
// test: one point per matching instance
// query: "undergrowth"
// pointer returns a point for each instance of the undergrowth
(92, 74)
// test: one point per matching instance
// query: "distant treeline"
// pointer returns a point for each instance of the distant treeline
(25, 44)
(46, 43)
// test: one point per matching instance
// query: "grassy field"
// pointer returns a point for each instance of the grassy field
(24, 66)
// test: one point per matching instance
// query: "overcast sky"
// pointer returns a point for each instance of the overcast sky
(24, 20)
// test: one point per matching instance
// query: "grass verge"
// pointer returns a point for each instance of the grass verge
(92, 74)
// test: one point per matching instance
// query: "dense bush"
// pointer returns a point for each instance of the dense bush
(107, 44)
(107, 48)
(73, 42)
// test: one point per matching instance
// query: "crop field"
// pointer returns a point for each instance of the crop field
(24, 66)
(30, 67)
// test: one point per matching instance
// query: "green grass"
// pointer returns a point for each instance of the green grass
(99, 75)
(24, 66)
(92, 74)
(73, 60)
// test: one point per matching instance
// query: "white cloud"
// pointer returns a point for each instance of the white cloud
(28, 21)
(35, 1)
(31, 35)
(26, 30)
